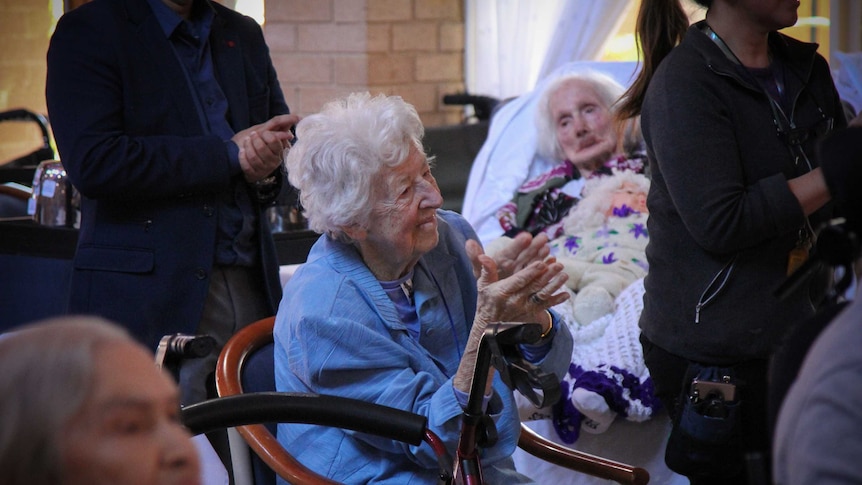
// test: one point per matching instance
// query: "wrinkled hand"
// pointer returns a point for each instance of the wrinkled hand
(261, 147)
(514, 255)
(522, 297)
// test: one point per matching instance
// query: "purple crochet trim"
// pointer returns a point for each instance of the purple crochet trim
(567, 419)
(639, 391)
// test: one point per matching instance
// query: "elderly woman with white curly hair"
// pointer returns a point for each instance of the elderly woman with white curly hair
(394, 297)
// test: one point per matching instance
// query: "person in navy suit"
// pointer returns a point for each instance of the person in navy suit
(170, 122)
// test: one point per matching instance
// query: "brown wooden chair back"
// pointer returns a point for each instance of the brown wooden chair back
(259, 334)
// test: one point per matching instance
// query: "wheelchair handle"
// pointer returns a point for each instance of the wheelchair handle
(288, 407)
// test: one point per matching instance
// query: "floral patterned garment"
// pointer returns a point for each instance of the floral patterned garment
(621, 240)
(541, 204)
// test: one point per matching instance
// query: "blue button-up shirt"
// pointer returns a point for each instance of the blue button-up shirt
(237, 218)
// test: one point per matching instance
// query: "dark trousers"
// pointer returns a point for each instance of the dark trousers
(236, 298)
(670, 374)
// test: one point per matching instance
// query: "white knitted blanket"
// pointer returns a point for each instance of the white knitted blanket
(612, 339)
(608, 351)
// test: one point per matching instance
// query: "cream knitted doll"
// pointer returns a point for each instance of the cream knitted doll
(602, 248)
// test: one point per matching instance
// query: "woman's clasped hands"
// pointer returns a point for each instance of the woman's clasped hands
(517, 283)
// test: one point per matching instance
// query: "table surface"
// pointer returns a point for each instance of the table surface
(36, 267)
(22, 236)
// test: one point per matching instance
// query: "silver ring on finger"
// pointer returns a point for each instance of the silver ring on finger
(534, 298)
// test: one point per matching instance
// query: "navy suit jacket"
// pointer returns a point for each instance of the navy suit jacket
(129, 136)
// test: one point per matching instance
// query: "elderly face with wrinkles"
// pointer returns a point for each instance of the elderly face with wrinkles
(584, 125)
(128, 431)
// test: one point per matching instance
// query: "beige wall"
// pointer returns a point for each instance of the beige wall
(326, 48)
(25, 27)
(321, 49)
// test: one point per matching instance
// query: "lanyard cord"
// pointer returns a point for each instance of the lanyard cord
(778, 114)
(776, 108)
(806, 233)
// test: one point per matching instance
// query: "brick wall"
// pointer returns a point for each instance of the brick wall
(25, 27)
(327, 48)
(321, 49)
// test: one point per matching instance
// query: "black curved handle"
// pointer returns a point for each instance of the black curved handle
(287, 407)
(22, 114)
(482, 105)
(542, 389)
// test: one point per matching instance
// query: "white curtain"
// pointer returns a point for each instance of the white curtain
(503, 39)
(513, 43)
(582, 31)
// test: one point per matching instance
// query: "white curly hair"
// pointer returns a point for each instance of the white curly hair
(341, 153)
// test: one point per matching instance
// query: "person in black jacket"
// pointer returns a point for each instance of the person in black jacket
(730, 111)
(171, 123)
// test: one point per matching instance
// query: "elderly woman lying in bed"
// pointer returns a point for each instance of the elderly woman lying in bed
(607, 380)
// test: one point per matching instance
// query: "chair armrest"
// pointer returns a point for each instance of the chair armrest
(246, 411)
(270, 451)
(547, 450)
(16, 191)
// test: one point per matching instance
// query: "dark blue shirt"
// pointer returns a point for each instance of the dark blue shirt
(237, 218)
